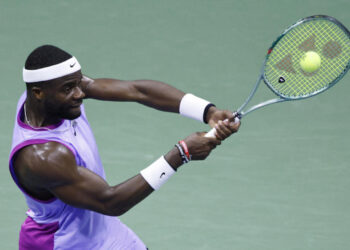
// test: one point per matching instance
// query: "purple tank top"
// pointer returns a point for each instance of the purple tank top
(53, 224)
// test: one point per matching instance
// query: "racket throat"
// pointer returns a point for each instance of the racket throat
(263, 104)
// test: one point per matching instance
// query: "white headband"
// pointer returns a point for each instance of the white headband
(52, 72)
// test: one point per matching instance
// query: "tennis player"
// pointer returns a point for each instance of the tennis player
(55, 162)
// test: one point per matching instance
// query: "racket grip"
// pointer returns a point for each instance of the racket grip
(212, 132)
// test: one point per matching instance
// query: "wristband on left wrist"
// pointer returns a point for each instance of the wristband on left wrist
(194, 107)
(206, 110)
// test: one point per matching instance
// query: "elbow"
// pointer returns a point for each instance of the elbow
(114, 205)
(114, 210)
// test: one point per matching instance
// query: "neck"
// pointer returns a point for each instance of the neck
(36, 116)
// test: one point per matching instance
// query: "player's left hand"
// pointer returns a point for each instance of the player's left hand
(223, 121)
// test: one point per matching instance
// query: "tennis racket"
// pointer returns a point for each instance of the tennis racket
(283, 72)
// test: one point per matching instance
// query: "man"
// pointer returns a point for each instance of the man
(55, 162)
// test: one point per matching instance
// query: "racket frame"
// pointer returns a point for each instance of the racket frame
(282, 98)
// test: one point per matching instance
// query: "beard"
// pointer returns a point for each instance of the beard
(70, 115)
(63, 111)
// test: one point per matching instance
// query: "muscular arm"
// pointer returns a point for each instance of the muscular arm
(151, 93)
(50, 169)
(154, 94)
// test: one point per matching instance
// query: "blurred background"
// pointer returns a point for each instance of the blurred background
(282, 182)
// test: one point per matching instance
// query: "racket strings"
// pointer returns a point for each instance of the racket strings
(282, 70)
(304, 88)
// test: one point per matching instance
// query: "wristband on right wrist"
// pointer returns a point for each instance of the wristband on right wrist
(157, 173)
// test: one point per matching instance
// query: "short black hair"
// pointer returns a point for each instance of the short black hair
(45, 56)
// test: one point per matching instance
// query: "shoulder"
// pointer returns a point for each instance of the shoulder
(45, 163)
(45, 152)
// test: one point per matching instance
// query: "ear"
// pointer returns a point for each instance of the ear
(38, 93)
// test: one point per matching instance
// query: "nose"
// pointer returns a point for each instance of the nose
(78, 93)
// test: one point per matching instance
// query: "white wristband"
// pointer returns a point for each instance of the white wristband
(193, 107)
(157, 173)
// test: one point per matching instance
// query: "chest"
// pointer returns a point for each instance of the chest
(82, 139)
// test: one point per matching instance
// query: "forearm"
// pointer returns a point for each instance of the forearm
(93, 193)
(126, 195)
(122, 197)
(86, 190)
(154, 94)
(159, 95)
(151, 93)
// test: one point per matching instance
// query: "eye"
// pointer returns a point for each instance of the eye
(67, 89)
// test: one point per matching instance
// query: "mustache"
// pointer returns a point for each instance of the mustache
(77, 103)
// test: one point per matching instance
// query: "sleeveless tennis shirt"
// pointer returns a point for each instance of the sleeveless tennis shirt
(53, 224)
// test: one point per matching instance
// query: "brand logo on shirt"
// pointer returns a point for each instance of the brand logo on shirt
(162, 175)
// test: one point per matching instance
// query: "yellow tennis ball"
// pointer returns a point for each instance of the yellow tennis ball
(310, 62)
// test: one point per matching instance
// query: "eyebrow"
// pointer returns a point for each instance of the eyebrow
(72, 80)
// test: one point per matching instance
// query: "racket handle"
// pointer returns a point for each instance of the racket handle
(212, 132)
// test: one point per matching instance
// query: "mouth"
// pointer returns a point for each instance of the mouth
(77, 105)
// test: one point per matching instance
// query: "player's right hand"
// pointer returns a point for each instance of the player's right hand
(199, 146)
